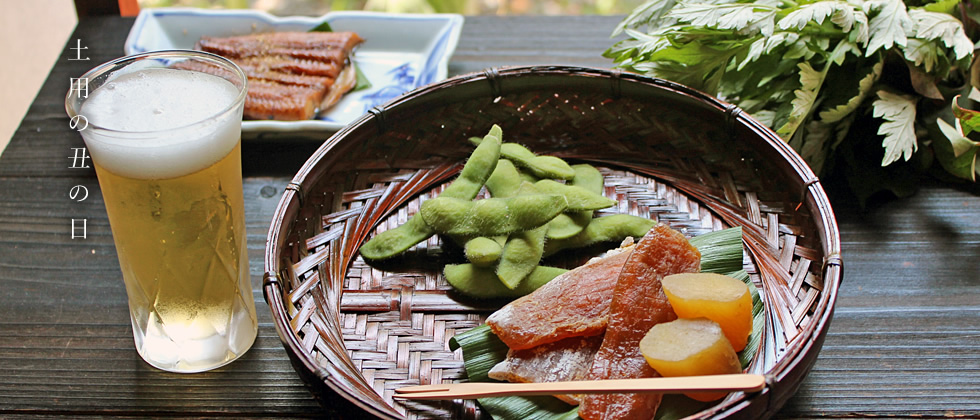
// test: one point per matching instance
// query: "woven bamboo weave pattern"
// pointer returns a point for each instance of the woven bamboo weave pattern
(693, 164)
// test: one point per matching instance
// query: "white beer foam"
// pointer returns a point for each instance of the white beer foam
(161, 123)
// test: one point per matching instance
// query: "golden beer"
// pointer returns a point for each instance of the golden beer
(166, 146)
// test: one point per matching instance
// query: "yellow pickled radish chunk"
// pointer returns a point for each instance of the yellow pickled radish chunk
(720, 298)
(690, 347)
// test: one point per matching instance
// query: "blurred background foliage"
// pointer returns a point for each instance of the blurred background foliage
(466, 7)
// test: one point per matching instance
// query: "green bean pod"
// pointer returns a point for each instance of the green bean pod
(505, 180)
(467, 185)
(482, 251)
(568, 224)
(482, 282)
(520, 255)
(578, 198)
(614, 227)
(571, 223)
(539, 166)
(478, 167)
(491, 216)
(392, 242)
(523, 250)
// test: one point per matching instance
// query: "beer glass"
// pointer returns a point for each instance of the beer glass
(163, 130)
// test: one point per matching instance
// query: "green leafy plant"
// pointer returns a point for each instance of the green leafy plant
(819, 72)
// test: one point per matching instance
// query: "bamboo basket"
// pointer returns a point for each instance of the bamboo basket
(355, 332)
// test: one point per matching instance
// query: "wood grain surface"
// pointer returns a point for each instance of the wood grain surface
(904, 342)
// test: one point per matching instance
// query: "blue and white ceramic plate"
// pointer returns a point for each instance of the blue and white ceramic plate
(401, 51)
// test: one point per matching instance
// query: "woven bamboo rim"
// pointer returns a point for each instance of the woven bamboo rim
(355, 332)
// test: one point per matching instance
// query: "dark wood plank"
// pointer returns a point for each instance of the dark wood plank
(66, 344)
(905, 334)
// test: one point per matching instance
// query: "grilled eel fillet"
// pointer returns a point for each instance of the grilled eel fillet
(291, 75)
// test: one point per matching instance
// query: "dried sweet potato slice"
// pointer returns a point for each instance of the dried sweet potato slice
(638, 304)
(574, 304)
(565, 360)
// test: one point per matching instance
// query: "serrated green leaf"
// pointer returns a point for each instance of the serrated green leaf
(898, 111)
(839, 54)
(846, 17)
(922, 53)
(755, 51)
(944, 27)
(766, 45)
(747, 52)
(813, 12)
(890, 26)
(765, 117)
(860, 34)
(805, 98)
(648, 14)
(739, 16)
(839, 112)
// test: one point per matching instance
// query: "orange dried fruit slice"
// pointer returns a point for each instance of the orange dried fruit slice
(689, 347)
(717, 297)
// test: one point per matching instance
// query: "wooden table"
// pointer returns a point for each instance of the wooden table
(905, 340)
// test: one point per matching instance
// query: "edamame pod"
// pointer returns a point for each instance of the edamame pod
(571, 223)
(539, 166)
(614, 227)
(505, 180)
(578, 198)
(491, 216)
(523, 250)
(392, 242)
(588, 177)
(482, 251)
(520, 256)
(478, 167)
(482, 283)
(467, 185)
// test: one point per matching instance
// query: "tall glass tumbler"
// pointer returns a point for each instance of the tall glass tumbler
(163, 130)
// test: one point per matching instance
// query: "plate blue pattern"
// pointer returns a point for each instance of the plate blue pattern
(401, 52)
